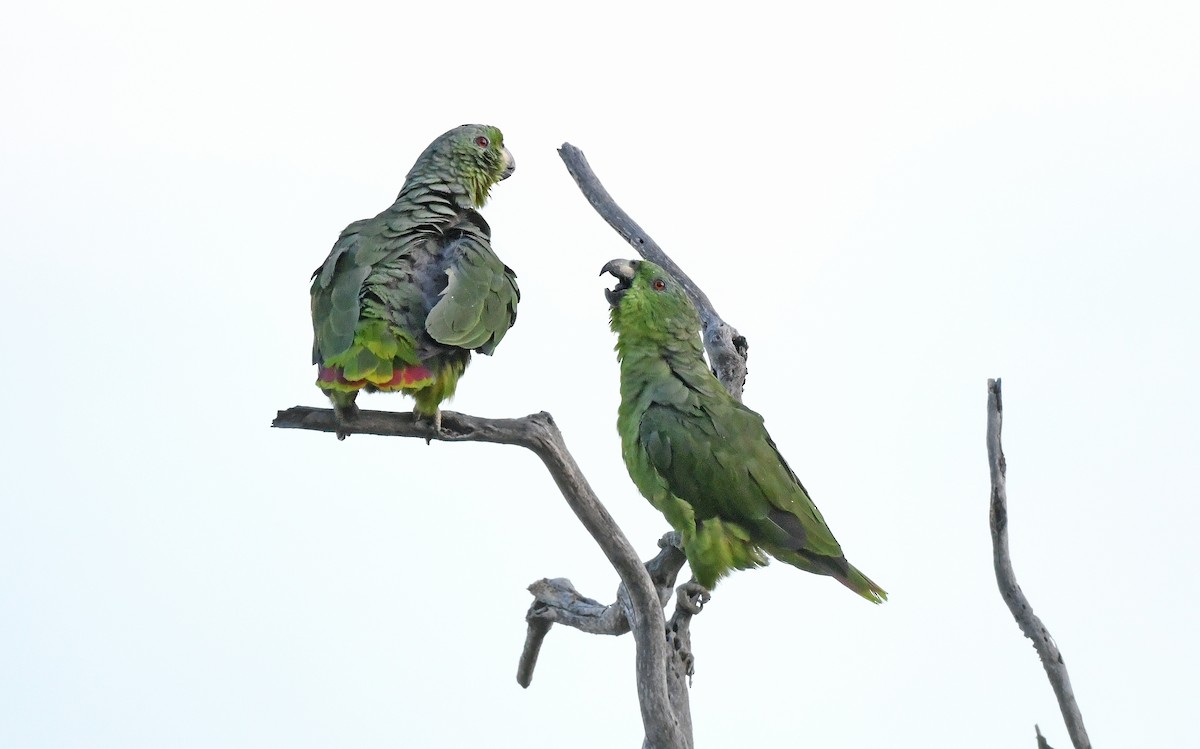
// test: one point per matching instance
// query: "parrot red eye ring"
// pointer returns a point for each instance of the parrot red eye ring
(482, 141)
(659, 284)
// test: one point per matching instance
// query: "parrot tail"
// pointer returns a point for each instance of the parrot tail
(862, 585)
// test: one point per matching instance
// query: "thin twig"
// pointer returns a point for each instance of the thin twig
(1042, 743)
(539, 433)
(1018, 604)
(727, 349)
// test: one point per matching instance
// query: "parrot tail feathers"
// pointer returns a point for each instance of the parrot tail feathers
(862, 585)
(836, 567)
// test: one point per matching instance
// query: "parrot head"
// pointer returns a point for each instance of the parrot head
(474, 155)
(648, 301)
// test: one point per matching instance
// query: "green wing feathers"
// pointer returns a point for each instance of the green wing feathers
(336, 287)
(742, 498)
(479, 303)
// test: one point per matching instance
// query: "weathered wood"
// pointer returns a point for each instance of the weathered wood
(456, 427)
(1014, 597)
(539, 433)
(556, 601)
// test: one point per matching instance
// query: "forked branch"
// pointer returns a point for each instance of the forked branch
(539, 433)
(556, 601)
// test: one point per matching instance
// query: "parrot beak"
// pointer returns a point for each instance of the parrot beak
(510, 164)
(623, 271)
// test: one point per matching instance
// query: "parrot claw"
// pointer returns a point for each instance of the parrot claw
(689, 601)
(691, 597)
(342, 416)
(435, 422)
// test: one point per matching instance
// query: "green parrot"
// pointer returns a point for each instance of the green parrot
(702, 458)
(405, 297)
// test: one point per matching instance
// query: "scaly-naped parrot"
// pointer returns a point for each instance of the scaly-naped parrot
(405, 297)
(703, 459)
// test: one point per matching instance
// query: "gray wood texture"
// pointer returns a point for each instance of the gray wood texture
(642, 611)
(1014, 597)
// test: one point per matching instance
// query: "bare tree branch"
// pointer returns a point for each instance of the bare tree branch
(539, 433)
(689, 600)
(456, 427)
(1018, 604)
(727, 349)
(557, 602)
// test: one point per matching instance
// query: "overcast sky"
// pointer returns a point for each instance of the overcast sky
(892, 203)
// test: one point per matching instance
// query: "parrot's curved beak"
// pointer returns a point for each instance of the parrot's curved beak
(510, 164)
(623, 271)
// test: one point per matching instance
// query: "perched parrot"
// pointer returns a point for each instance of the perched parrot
(702, 458)
(405, 297)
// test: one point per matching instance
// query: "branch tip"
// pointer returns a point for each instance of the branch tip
(1006, 579)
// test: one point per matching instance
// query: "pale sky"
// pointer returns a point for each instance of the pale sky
(892, 203)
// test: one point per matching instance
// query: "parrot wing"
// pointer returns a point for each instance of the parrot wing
(718, 457)
(337, 285)
(479, 303)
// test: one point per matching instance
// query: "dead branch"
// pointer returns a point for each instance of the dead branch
(555, 601)
(727, 349)
(1018, 604)
(539, 433)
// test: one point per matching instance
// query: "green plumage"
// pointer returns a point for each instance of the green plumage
(405, 297)
(702, 458)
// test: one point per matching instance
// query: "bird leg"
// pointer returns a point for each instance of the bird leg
(344, 414)
(435, 421)
(689, 601)
(691, 597)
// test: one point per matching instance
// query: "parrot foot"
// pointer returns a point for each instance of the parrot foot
(691, 597)
(343, 415)
(689, 601)
(435, 422)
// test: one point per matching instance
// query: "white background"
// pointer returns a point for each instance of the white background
(893, 202)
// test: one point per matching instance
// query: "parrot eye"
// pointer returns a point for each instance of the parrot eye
(659, 284)
(482, 141)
